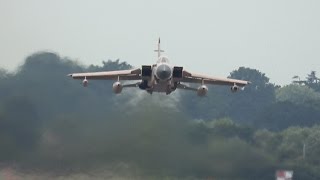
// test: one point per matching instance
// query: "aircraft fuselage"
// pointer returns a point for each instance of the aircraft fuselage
(161, 79)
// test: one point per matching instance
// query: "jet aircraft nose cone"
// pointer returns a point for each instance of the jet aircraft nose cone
(163, 72)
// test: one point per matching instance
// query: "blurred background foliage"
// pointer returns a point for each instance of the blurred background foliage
(49, 123)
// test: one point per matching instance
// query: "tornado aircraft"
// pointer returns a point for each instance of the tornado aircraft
(160, 77)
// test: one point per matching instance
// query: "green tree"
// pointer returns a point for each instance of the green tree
(245, 106)
(225, 127)
(291, 147)
(19, 128)
(282, 115)
(312, 78)
(313, 81)
(267, 140)
(110, 66)
(312, 146)
(299, 95)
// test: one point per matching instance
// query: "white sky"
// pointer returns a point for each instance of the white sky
(278, 37)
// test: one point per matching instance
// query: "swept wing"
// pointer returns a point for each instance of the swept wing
(190, 77)
(133, 74)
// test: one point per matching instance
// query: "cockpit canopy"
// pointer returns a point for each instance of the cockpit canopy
(163, 59)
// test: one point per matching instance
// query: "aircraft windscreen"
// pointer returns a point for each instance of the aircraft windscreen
(163, 60)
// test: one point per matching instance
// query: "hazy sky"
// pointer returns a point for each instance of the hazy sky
(278, 37)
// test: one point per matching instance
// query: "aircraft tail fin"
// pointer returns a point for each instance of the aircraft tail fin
(159, 49)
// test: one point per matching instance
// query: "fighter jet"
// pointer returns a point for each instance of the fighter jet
(160, 77)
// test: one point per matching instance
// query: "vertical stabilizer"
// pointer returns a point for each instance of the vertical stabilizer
(159, 49)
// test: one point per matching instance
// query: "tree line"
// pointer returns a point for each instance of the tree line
(48, 122)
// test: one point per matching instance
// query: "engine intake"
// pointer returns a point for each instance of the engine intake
(117, 87)
(177, 72)
(146, 72)
(202, 90)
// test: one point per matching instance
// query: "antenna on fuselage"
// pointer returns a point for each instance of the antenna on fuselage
(159, 49)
